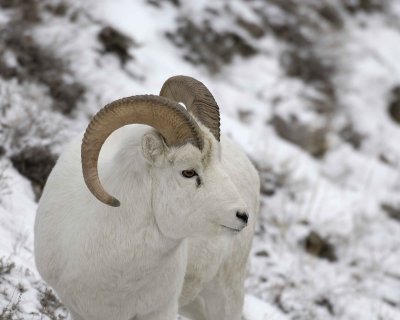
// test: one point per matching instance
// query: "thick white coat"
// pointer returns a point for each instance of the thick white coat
(165, 244)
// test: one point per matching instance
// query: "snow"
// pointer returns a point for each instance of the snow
(339, 195)
(256, 309)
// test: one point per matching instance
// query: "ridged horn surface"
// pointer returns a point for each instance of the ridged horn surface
(197, 99)
(169, 118)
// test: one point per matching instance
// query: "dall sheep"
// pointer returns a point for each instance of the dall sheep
(175, 241)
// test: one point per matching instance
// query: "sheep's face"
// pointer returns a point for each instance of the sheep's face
(192, 195)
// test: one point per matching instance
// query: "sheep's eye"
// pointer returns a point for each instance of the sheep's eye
(189, 173)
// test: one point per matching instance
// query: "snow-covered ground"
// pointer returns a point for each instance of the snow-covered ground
(310, 89)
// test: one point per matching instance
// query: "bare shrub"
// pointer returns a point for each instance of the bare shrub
(13, 289)
(204, 45)
(50, 304)
(13, 310)
(6, 266)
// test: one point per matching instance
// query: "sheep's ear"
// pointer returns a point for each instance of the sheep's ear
(153, 147)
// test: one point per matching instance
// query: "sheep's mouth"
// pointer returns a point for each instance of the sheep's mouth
(231, 229)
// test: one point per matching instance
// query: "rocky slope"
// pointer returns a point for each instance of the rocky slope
(309, 88)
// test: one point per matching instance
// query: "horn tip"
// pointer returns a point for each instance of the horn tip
(114, 202)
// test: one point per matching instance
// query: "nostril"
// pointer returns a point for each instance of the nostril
(242, 216)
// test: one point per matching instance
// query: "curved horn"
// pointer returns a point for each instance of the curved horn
(170, 119)
(197, 99)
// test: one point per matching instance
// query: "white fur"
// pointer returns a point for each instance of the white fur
(164, 248)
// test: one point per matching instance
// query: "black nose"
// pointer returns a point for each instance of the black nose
(242, 216)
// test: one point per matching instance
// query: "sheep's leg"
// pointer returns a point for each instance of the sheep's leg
(169, 312)
(224, 295)
(223, 301)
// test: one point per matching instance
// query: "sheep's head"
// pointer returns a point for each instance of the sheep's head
(192, 194)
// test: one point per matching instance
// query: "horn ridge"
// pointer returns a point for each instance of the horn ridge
(197, 99)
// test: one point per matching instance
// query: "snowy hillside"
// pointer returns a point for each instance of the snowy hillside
(309, 88)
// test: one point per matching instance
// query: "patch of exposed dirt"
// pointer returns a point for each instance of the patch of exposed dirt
(116, 43)
(30, 62)
(205, 46)
(314, 141)
(394, 104)
(35, 163)
(391, 210)
(317, 246)
(367, 6)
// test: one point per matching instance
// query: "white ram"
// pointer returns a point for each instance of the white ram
(174, 239)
